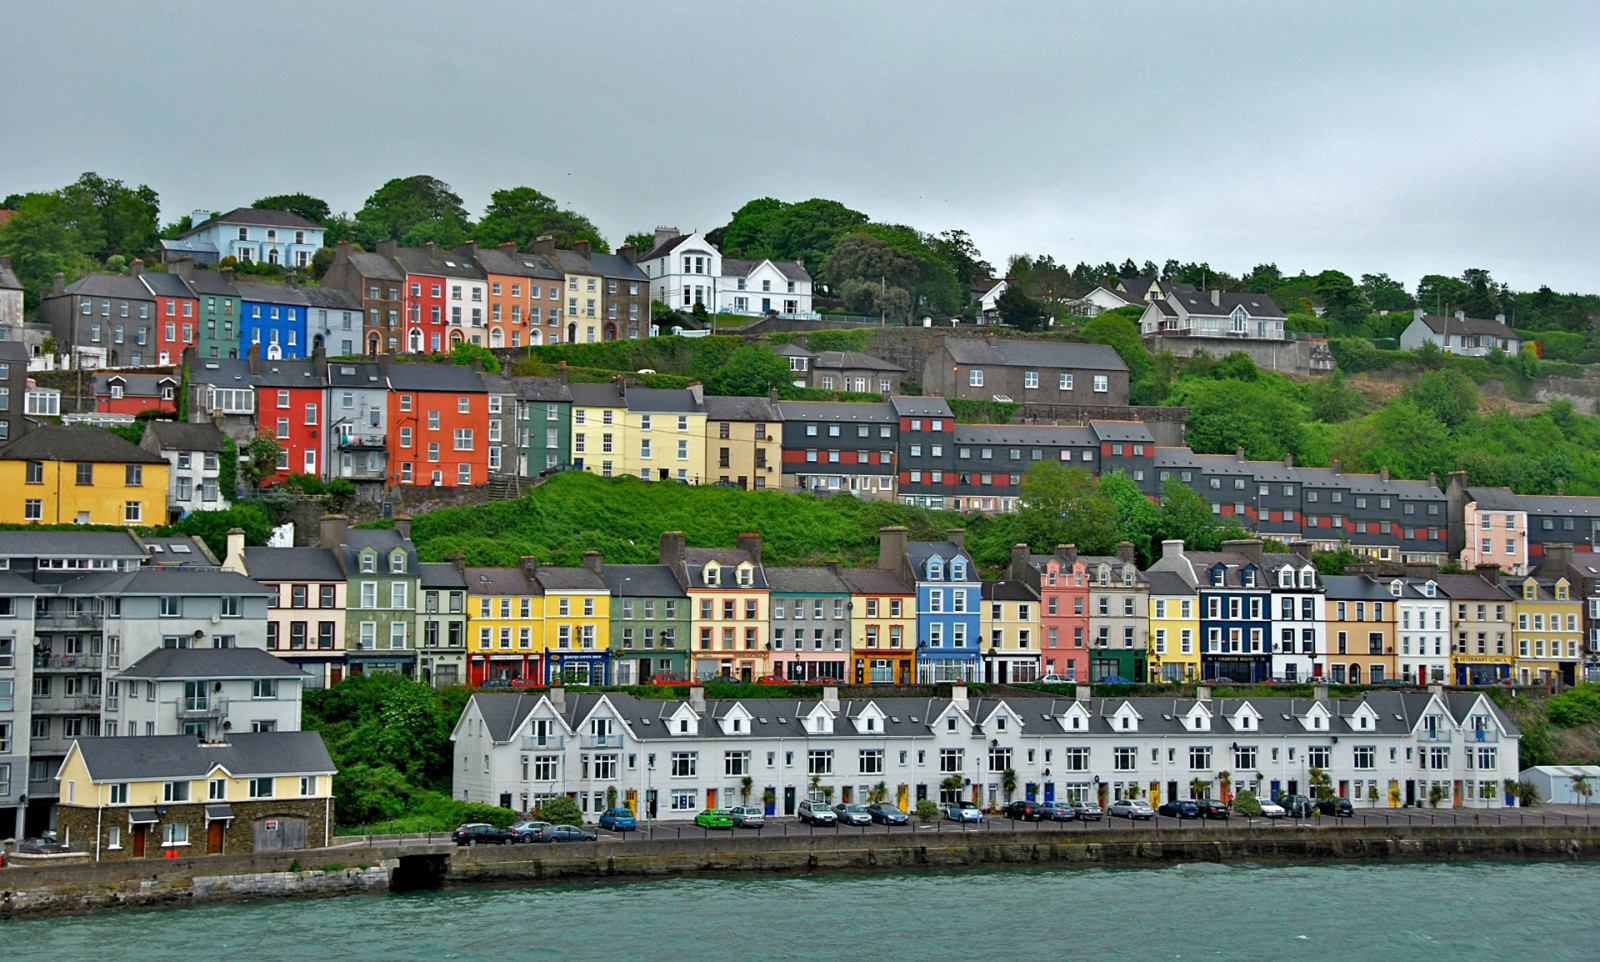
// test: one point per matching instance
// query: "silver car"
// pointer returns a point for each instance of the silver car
(1131, 808)
(747, 816)
(851, 813)
(816, 813)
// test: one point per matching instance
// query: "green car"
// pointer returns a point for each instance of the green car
(714, 818)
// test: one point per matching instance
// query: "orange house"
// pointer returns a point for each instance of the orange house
(524, 293)
(438, 425)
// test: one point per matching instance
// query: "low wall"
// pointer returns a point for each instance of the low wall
(1302, 358)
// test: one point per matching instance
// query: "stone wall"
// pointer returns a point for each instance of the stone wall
(1302, 358)
(79, 824)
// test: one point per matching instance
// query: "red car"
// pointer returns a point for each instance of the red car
(668, 680)
(527, 683)
(773, 680)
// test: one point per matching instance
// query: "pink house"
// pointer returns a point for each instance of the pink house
(1495, 531)
(1062, 581)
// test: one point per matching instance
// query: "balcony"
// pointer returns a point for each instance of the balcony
(68, 705)
(601, 741)
(1434, 735)
(66, 620)
(192, 709)
(66, 663)
(43, 788)
(361, 442)
(540, 743)
(1481, 736)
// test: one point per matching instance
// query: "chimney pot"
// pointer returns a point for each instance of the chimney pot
(582, 248)
(749, 543)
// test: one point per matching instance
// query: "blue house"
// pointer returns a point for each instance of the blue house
(249, 236)
(948, 602)
(1235, 607)
(272, 318)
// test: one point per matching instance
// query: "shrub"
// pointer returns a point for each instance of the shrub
(560, 810)
(1575, 706)
(927, 810)
(1245, 804)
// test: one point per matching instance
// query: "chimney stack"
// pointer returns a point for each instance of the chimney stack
(544, 244)
(1125, 551)
(1383, 473)
(529, 565)
(1202, 693)
(1082, 694)
(1172, 548)
(1021, 561)
(1557, 560)
(630, 252)
(402, 526)
(835, 567)
(1321, 693)
(957, 537)
(1249, 547)
(331, 530)
(1489, 573)
(830, 698)
(1337, 466)
(1238, 453)
(431, 248)
(558, 696)
(664, 234)
(582, 248)
(291, 282)
(592, 561)
(507, 247)
(1216, 297)
(389, 247)
(136, 267)
(468, 250)
(671, 547)
(561, 373)
(227, 275)
(1461, 315)
(958, 694)
(891, 547)
(234, 561)
(1288, 460)
(749, 543)
(58, 284)
(697, 699)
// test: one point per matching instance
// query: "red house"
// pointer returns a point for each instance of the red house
(1063, 583)
(438, 424)
(177, 307)
(290, 395)
(118, 393)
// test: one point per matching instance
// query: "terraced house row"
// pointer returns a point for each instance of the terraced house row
(671, 759)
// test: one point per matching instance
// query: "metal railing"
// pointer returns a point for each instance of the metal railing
(532, 743)
(202, 707)
(601, 741)
(67, 619)
(82, 662)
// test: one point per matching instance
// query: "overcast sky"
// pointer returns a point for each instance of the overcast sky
(1394, 136)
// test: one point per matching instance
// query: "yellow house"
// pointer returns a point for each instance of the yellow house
(505, 623)
(744, 442)
(81, 475)
(1549, 633)
(666, 434)
(583, 307)
(1009, 632)
(1174, 628)
(729, 605)
(599, 428)
(883, 626)
(165, 795)
(577, 623)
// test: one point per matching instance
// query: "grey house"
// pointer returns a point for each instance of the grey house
(1029, 372)
(810, 623)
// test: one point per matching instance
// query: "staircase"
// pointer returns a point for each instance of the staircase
(503, 487)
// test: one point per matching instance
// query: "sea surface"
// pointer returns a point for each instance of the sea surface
(1383, 912)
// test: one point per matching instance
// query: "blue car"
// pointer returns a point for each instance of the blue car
(618, 820)
(963, 812)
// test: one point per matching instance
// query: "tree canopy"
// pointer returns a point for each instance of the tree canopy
(523, 214)
(413, 210)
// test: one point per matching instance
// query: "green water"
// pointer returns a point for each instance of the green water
(1382, 912)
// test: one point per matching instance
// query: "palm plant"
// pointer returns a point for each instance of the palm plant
(1008, 782)
(1582, 788)
(745, 784)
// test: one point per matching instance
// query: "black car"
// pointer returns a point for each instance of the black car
(1211, 808)
(1024, 810)
(565, 833)
(481, 833)
(1297, 806)
(1337, 807)
(1179, 808)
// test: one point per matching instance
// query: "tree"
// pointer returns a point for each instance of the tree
(1441, 294)
(311, 208)
(1185, 515)
(1447, 394)
(963, 256)
(644, 240)
(413, 210)
(863, 257)
(559, 810)
(1019, 310)
(126, 215)
(523, 214)
(1138, 520)
(1008, 782)
(1385, 293)
(767, 227)
(1122, 335)
(1333, 401)
(1246, 804)
(212, 527)
(464, 354)
(1341, 299)
(1064, 505)
(1583, 788)
(42, 240)
(752, 371)
(1226, 415)
(926, 811)
(263, 452)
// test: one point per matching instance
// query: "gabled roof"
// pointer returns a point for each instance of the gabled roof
(908, 406)
(212, 282)
(1033, 354)
(655, 400)
(507, 580)
(1441, 324)
(739, 267)
(588, 394)
(874, 581)
(617, 266)
(569, 579)
(258, 217)
(427, 376)
(517, 264)
(162, 757)
(331, 298)
(211, 663)
(1354, 588)
(1495, 499)
(165, 284)
(109, 285)
(854, 361)
(8, 277)
(1008, 591)
(541, 389)
(728, 559)
(670, 244)
(439, 575)
(133, 385)
(838, 411)
(293, 564)
(439, 263)
(1199, 303)
(642, 581)
(185, 436)
(807, 580)
(379, 266)
(721, 408)
(50, 442)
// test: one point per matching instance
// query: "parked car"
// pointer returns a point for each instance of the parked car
(668, 679)
(851, 813)
(714, 818)
(1337, 807)
(46, 844)
(1211, 808)
(1272, 810)
(494, 683)
(1023, 810)
(748, 816)
(520, 682)
(963, 812)
(1131, 808)
(618, 820)
(527, 831)
(1179, 808)
(816, 813)
(1116, 680)
(1057, 811)
(1298, 806)
(1053, 679)
(1087, 811)
(567, 833)
(773, 680)
(480, 833)
(887, 814)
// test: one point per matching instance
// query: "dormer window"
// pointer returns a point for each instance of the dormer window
(1105, 575)
(1285, 579)
(1428, 589)
(1216, 577)
(1000, 723)
(1249, 578)
(369, 562)
(397, 562)
(1530, 591)
(872, 724)
(713, 574)
(958, 570)
(1127, 577)
(1308, 578)
(746, 575)
(935, 569)
(1395, 587)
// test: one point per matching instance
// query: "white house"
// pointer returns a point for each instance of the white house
(1460, 334)
(194, 458)
(206, 692)
(672, 759)
(1215, 314)
(686, 269)
(1299, 623)
(1423, 642)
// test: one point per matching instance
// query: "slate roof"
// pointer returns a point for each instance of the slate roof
(1354, 588)
(739, 267)
(569, 579)
(656, 400)
(805, 580)
(722, 408)
(289, 372)
(1440, 324)
(729, 559)
(212, 282)
(1168, 583)
(331, 298)
(448, 378)
(211, 663)
(356, 374)
(165, 284)
(1136, 431)
(1495, 499)
(110, 285)
(378, 266)
(541, 389)
(669, 245)
(293, 564)
(839, 411)
(184, 436)
(56, 544)
(920, 551)
(258, 217)
(8, 277)
(854, 361)
(617, 266)
(1008, 591)
(441, 263)
(1023, 434)
(875, 581)
(517, 264)
(1568, 505)
(50, 442)
(439, 575)
(134, 385)
(1472, 588)
(1033, 354)
(166, 581)
(506, 580)
(162, 757)
(642, 581)
(791, 350)
(1199, 303)
(596, 395)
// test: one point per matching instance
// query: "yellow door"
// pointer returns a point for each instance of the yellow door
(631, 800)
(902, 795)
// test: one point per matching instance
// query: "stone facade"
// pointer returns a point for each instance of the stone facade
(91, 828)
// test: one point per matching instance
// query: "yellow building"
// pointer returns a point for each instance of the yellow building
(577, 623)
(1009, 632)
(1174, 628)
(1549, 633)
(72, 475)
(599, 428)
(729, 606)
(665, 434)
(125, 798)
(883, 626)
(505, 623)
(744, 442)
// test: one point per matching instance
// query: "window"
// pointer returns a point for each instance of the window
(175, 833)
(175, 792)
(684, 764)
(260, 788)
(1124, 759)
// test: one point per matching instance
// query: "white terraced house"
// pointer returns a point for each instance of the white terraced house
(671, 759)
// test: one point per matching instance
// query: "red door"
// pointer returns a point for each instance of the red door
(214, 838)
(138, 841)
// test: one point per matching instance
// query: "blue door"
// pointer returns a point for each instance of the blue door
(1029, 791)
(1049, 791)
(771, 806)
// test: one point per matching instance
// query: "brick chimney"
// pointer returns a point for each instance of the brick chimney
(331, 530)
(544, 244)
(664, 234)
(529, 565)
(402, 526)
(671, 548)
(630, 252)
(891, 547)
(592, 562)
(468, 250)
(582, 248)
(561, 373)
(1249, 547)
(957, 537)
(1125, 551)
(507, 247)
(1489, 573)
(136, 267)
(750, 544)
(388, 248)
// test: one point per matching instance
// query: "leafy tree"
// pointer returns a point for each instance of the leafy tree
(801, 231)
(465, 355)
(1122, 335)
(1186, 516)
(1333, 401)
(927, 810)
(559, 810)
(522, 214)
(862, 257)
(1262, 279)
(177, 228)
(1447, 394)
(1441, 294)
(1385, 293)
(752, 371)
(321, 261)
(1225, 415)
(1138, 520)
(963, 256)
(43, 239)
(644, 240)
(413, 210)
(1063, 505)
(311, 208)
(1482, 299)
(1341, 299)
(1245, 803)
(1237, 366)
(126, 215)
(212, 527)
(1019, 310)
(263, 452)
